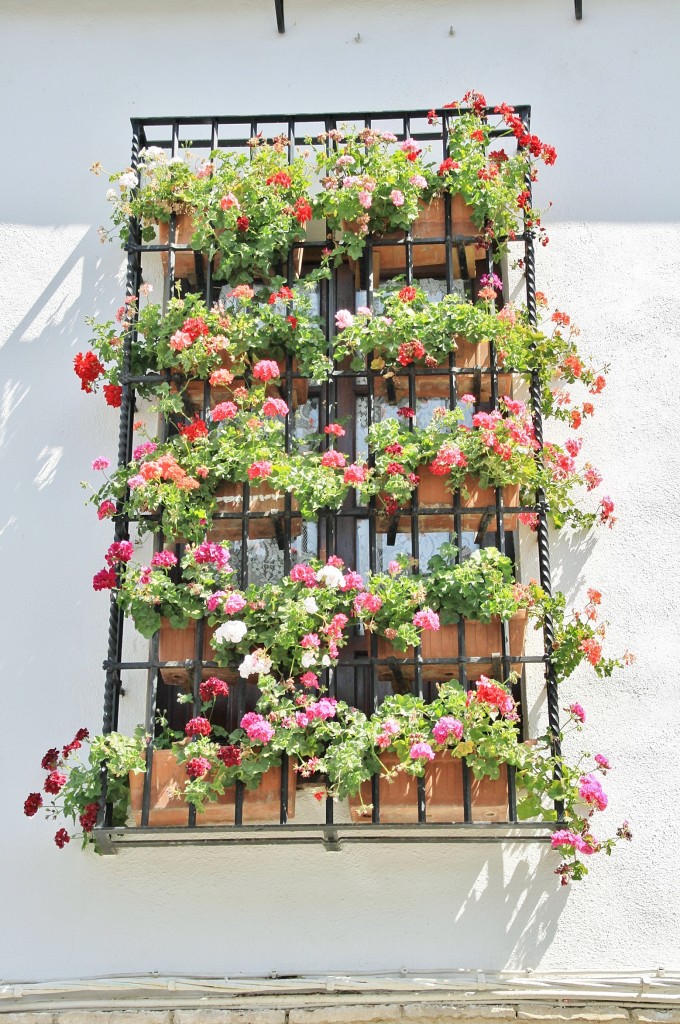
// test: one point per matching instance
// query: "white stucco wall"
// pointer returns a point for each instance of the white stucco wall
(604, 92)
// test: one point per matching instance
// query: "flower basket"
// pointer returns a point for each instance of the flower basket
(432, 493)
(430, 223)
(168, 808)
(180, 645)
(482, 640)
(443, 794)
(262, 499)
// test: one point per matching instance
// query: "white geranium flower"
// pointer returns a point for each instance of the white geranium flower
(330, 576)
(310, 605)
(128, 180)
(308, 659)
(232, 632)
(255, 665)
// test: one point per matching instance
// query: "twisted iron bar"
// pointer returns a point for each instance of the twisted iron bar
(121, 531)
(542, 526)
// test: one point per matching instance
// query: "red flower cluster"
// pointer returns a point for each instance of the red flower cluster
(62, 838)
(113, 393)
(49, 761)
(195, 327)
(230, 756)
(198, 727)
(212, 688)
(105, 579)
(491, 693)
(88, 819)
(32, 804)
(280, 178)
(303, 211)
(197, 767)
(284, 293)
(192, 431)
(448, 165)
(88, 368)
(54, 783)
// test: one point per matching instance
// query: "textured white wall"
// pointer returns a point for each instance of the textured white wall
(72, 74)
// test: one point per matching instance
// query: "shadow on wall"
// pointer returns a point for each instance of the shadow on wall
(512, 923)
(446, 907)
(41, 416)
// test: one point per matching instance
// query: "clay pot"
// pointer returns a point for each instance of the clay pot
(180, 645)
(431, 385)
(262, 499)
(195, 389)
(432, 493)
(430, 223)
(482, 640)
(443, 794)
(167, 808)
(185, 263)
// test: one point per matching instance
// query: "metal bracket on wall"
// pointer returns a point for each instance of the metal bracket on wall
(280, 22)
(578, 10)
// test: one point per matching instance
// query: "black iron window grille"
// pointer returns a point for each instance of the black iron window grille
(267, 543)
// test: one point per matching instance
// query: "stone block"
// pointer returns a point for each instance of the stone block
(214, 1015)
(604, 1012)
(428, 1013)
(656, 1016)
(347, 1014)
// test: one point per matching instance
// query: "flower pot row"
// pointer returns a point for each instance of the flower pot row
(433, 494)
(398, 795)
(388, 260)
(185, 262)
(167, 806)
(482, 640)
(443, 788)
(428, 258)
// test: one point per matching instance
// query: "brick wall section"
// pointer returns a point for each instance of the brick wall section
(361, 1013)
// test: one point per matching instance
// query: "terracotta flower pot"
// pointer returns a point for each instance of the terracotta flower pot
(430, 223)
(180, 645)
(195, 388)
(433, 493)
(482, 640)
(262, 499)
(443, 794)
(433, 385)
(185, 263)
(167, 807)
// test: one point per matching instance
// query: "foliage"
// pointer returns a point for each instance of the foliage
(246, 208)
(481, 587)
(492, 181)
(370, 184)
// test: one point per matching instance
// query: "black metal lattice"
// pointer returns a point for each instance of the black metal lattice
(361, 676)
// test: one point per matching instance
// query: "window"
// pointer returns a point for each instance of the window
(269, 535)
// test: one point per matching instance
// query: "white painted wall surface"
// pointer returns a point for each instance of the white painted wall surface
(604, 91)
